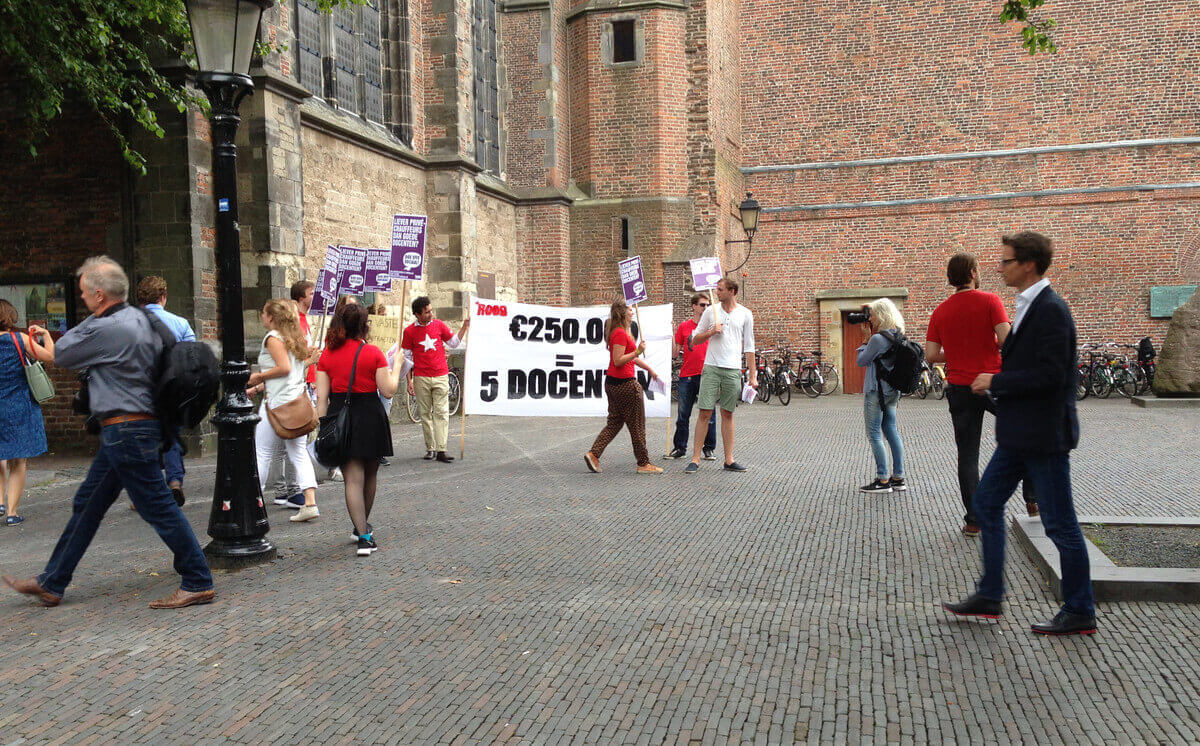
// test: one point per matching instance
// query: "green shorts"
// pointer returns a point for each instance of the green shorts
(720, 386)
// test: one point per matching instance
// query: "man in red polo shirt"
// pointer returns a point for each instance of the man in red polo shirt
(965, 333)
(689, 382)
(424, 346)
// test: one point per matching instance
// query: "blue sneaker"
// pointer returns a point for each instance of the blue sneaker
(295, 502)
(13, 520)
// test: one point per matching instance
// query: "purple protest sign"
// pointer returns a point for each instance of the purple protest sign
(706, 271)
(326, 292)
(633, 283)
(408, 247)
(376, 271)
(351, 271)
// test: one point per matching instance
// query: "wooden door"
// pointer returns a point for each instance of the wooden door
(852, 337)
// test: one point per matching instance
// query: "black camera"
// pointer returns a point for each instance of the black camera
(860, 317)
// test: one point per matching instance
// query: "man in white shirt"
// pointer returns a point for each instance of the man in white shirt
(729, 330)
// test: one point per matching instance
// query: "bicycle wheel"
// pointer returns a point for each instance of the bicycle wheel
(764, 389)
(939, 386)
(1082, 390)
(413, 412)
(455, 394)
(782, 391)
(829, 374)
(1139, 377)
(922, 386)
(1102, 384)
(810, 383)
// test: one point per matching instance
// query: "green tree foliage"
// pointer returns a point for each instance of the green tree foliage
(96, 51)
(1035, 34)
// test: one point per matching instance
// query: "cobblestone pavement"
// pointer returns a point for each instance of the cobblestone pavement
(518, 598)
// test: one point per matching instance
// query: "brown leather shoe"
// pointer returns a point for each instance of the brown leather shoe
(1032, 509)
(593, 463)
(30, 587)
(181, 598)
(649, 469)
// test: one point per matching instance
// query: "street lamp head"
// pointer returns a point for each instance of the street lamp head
(749, 210)
(224, 32)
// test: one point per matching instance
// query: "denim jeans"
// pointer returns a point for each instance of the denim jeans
(689, 389)
(966, 415)
(1051, 477)
(172, 461)
(881, 423)
(128, 459)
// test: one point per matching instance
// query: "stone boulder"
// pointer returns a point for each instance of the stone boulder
(1178, 371)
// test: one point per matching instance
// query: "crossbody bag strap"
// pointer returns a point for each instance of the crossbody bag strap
(20, 349)
(354, 368)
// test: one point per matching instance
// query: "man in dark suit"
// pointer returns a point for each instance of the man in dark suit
(1036, 428)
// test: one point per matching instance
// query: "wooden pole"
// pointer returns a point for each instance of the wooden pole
(462, 397)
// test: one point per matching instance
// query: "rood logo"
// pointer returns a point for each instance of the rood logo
(488, 309)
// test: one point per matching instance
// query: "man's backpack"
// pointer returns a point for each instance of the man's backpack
(907, 358)
(187, 380)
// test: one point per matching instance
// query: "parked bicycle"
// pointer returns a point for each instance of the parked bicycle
(817, 377)
(931, 381)
(455, 397)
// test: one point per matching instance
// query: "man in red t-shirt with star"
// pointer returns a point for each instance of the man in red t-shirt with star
(424, 346)
(689, 382)
(966, 332)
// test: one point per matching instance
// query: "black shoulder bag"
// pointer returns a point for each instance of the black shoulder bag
(333, 439)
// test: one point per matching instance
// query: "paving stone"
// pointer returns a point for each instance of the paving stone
(773, 606)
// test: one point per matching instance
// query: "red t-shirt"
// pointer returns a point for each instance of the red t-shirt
(693, 359)
(311, 375)
(965, 326)
(337, 363)
(427, 344)
(620, 337)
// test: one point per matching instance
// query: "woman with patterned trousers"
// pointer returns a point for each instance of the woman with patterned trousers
(625, 404)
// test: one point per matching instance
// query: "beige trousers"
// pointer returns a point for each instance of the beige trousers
(433, 402)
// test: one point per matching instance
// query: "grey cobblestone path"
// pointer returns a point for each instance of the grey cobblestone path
(517, 598)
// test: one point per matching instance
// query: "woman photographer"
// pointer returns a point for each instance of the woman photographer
(879, 398)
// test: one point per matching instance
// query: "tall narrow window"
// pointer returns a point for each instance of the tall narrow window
(487, 86)
(626, 244)
(399, 75)
(624, 36)
(371, 94)
(308, 46)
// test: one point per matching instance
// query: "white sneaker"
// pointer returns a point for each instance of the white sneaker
(307, 513)
(335, 474)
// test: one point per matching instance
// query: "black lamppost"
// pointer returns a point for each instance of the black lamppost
(224, 33)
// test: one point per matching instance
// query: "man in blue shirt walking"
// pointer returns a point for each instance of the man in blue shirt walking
(152, 294)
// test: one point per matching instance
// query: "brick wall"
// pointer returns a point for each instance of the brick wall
(55, 211)
(894, 79)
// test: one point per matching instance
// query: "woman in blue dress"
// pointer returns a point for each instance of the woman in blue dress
(22, 432)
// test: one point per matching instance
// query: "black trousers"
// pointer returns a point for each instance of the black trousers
(966, 413)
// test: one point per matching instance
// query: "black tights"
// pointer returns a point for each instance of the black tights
(359, 476)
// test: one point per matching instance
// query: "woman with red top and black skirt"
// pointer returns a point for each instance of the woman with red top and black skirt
(625, 404)
(370, 436)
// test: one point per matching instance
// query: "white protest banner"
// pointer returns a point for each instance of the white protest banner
(706, 271)
(541, 361)
(633, 282)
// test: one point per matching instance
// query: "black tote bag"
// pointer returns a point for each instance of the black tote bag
(334, 436)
